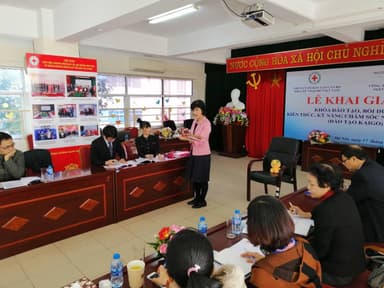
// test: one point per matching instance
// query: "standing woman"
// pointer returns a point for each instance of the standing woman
(200, 161)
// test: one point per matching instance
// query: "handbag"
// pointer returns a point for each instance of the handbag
(376, 278)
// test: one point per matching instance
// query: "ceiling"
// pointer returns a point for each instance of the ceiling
(207, 35)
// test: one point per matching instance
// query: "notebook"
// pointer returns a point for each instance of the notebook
(23, 181)
(302, 225)
(231, 255)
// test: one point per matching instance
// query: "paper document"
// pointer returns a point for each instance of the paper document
(302, 225)
(232, 254)
(23, 181)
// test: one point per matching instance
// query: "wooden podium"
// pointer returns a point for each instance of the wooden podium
(233, 141)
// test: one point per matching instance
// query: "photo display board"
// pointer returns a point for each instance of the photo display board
(64, 100)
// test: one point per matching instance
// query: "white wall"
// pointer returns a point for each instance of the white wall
(118, 62)
(12, 54)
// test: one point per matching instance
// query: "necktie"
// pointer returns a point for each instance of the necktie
(110, 147)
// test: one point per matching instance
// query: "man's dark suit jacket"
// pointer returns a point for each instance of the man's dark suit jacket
(367, 189)
(100, 152)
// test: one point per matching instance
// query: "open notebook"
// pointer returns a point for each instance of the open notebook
(302, 225)
(231, 255)
(23, 181)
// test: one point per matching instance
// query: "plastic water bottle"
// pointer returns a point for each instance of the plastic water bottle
(202, 226)
(236, 223)
(49, 173)
(126, 137)
(117, 271)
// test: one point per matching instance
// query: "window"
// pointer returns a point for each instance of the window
(177, 99)
(111, 93)
(124, 99)
(12, 90)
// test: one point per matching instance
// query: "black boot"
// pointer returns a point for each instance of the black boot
(196, 188)
(204, 191)
(200, 200)
(198, 197)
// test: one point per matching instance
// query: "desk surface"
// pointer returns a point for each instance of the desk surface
(217, 236)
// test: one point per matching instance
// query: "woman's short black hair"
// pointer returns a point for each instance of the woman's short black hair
(269, 224)
(143, 124)
(327, 175)
(187, 249)
(110, 131)
(199, 104)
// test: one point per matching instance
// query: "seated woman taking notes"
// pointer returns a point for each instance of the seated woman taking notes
(189, 261)
(147, 145)
(338, 234)
(288, 261)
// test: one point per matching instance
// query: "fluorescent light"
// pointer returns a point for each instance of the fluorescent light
(173, 14)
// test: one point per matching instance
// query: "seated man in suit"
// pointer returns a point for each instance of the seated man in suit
(12, 164)
(106, 149)
(367, 189)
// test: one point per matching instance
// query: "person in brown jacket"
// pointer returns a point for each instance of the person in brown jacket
(288, 261)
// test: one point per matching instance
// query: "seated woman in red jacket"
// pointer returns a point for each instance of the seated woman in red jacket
(288, 261)
(338, 234)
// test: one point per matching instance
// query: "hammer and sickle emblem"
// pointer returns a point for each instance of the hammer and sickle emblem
(254, 83)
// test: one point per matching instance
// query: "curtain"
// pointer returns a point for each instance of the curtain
(265, 109)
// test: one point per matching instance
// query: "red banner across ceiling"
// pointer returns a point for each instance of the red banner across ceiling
(335, 54)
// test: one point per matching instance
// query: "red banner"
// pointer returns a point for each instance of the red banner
(53, 62)
(334, 54)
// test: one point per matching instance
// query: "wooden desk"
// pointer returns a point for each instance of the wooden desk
(43, 213)
(167, 145)
(150, 186)
(328, 153)
(217, 237)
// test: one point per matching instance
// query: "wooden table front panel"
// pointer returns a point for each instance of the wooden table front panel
(150, 186)
(167, 145)
(39, 214)
(328, 153)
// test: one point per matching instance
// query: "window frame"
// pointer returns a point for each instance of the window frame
(22, 93)
(129, 112)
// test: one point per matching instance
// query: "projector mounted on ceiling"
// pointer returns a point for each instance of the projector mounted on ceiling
(255, 15)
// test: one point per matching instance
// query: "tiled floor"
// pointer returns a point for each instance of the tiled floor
(89, 254)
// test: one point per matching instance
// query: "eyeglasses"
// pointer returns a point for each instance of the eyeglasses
(8, 146)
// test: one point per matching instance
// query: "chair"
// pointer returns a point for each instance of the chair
(361, 280)
(36, 159)
(281, 148)
(188, 123)
(170, 123)
(85, 156)
(30, 141)
(130, 149)
(133, 132)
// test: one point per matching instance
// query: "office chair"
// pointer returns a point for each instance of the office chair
(36, 159)
(188, 123)
(170, 123)
(286, 150)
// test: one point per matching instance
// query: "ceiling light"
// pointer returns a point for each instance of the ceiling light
(173, 14)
